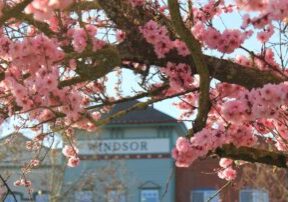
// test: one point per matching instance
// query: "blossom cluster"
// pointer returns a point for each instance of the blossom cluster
(187, 151)
(81, 36)
(44, 9)
(266, 34)
(244, 115)
(269, 11)
(227, 172)
(71, 152)
(33, 76)
(265, 105)
(258, 103)
(158, 36)
(225, 42)
(208, 11)
(264, 61)
(180, 76)
(23, 182)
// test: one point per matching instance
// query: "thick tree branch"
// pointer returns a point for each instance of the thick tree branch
(198, 60)
(220, 69)
(85, 5)
(253, 155)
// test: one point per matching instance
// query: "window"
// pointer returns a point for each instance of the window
(164, 132)
(117, 133)
(116, 196)
(83, 196)
(254, 195)
(204, 195)
(150, 195)
(10, 198)
(42, 197)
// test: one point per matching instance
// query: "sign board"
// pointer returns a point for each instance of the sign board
(124, 146)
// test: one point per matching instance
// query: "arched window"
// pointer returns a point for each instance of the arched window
(150, 195)
(149, 192)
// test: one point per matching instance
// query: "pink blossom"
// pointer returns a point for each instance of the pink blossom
(73, 162)
(224, 162)
(26, 183)
(227, 174)
(43, 9)
(79, 40)
(265, 35)
(181, 48)
(179, 75)
(137, 2)
(157, 36)
(120, 36)
(225, 42)
(35, 162)
(17, 183)
(70, 151)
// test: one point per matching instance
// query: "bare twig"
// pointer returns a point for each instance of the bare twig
(8, 188)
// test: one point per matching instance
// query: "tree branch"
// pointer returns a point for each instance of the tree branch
(8, 189)
(253, 155)
(199, 62)
(14, 11)
(140, 105)
(151, 93)
(42, 26)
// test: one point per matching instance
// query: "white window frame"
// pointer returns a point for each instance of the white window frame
(258, 195)
(79, 195)
(120, 194)
(152, 191)
(207, 193)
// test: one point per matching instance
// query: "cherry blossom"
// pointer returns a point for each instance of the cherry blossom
(73, 161)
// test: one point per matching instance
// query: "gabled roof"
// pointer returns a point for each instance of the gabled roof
(139, 116)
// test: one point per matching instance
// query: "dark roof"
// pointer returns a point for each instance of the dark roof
(146, 115)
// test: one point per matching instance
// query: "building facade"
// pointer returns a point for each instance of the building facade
(254, 183)
(130, 159)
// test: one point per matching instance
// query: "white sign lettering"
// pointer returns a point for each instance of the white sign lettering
(128, 146)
